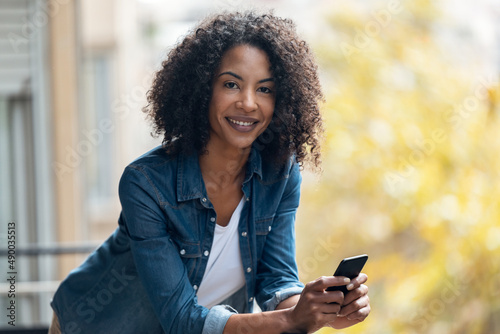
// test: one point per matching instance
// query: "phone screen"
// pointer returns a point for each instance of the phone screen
(349, 267)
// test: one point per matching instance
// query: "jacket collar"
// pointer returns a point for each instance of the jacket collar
(190, 183)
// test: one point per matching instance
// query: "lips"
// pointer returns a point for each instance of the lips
(242, 124)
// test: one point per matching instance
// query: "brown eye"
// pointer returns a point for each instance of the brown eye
(231, 85)
(265, 90)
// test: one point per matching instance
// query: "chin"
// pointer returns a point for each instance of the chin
(243, 146)
(240, 142)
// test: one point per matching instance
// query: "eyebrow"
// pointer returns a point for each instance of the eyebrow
(240, 78)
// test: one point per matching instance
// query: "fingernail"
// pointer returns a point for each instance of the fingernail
(340, 315)
(346, 280)
(350, 286)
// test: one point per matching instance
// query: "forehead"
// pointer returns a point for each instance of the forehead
(246, 59)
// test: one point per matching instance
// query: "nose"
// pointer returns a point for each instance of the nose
(247, 101)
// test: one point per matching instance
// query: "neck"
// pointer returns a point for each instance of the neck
(223, 166)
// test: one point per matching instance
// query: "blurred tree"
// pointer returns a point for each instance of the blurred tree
(411, 170)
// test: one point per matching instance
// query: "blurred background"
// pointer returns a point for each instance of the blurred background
(411, 164)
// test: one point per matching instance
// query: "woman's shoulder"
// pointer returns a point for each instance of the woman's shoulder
(152, 159)
(154, 165)
(155, 172)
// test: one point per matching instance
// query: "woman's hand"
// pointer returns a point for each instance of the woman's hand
(317, 307)
(356, 306)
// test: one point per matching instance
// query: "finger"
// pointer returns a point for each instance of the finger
(324, 282)
(323, 297)
(332, 297)
(359, 315)
(332, 308)
(357, 281)
(354, 307)
(325, 318)
(355, 294)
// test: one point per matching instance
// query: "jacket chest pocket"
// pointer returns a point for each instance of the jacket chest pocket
(190, 253)
(262, 228)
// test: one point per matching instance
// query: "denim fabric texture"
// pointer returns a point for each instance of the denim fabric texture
(143, 278)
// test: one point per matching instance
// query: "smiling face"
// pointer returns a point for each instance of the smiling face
(243, 98)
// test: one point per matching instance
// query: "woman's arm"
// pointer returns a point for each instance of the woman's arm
(289, 302)
(315, 308)
(271, 322)
(277, 273)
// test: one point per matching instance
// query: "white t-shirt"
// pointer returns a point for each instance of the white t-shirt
(224, 273)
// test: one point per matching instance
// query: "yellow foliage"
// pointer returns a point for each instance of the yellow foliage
(411, 172)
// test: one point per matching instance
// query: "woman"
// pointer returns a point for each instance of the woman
(207, 222)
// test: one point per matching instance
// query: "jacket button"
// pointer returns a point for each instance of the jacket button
(204, 199)
(269, 228)
(195, 287)
(244, 234)
(250, 299)
(248, 199)
(183, 251)
(212, 219)
(249, 269)
(206, 253)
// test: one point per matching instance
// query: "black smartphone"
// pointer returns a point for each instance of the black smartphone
(349, 267)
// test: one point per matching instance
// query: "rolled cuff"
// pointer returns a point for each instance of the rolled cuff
(280, 296)
(217, 318)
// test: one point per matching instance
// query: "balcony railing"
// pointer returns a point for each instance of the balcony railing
(38, 287)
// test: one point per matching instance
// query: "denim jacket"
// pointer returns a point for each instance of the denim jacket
(144, 277)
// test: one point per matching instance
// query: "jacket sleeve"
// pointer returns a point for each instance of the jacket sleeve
(158, 262)
(277, 273)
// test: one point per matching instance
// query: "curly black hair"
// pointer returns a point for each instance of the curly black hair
(179, 98)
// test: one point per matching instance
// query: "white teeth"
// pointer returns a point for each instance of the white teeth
(240, 123)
